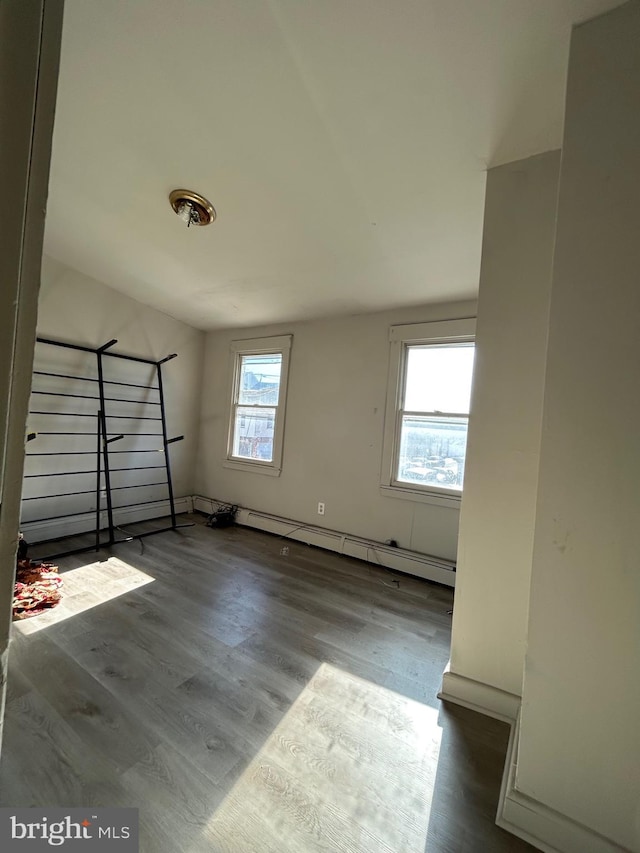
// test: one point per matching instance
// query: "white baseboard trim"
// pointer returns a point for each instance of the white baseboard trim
(42, 531)
(479, 697)
(539, 825)
(409, 562)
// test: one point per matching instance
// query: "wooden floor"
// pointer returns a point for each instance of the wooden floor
(248, 693)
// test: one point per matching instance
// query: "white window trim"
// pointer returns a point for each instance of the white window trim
(442, 332)
(258, 346)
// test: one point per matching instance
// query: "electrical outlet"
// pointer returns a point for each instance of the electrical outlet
(320, 508)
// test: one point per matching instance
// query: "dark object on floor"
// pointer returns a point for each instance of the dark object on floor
(224, 516)
(23, 548)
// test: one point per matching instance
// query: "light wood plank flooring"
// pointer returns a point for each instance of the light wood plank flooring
(246, 699)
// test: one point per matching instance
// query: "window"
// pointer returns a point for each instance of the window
(428, 410)
(259, 383)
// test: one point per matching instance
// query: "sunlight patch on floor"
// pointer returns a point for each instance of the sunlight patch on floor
(351, 767)
(86, 587)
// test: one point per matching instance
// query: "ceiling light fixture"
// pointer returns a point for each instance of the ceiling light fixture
(192, 208)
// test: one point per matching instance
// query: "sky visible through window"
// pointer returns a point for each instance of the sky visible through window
(438, 379)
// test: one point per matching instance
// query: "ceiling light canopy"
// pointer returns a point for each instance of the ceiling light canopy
(192, 208)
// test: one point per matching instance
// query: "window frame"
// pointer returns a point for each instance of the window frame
(276, 345)
(401, 338)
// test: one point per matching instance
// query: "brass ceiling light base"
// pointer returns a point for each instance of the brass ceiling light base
(192, 208)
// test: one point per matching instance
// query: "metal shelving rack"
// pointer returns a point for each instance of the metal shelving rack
(104, 465)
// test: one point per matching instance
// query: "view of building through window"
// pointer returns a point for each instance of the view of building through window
(257, 401)
(434, 414)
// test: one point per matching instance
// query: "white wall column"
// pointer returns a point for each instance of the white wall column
(495, 542)
(29, 51)
(578, 762)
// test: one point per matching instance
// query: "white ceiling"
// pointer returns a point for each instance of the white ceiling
(343, 143)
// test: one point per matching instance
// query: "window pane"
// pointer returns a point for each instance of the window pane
(438, 378)
(253, 433)
(260, 379)
(432, 451)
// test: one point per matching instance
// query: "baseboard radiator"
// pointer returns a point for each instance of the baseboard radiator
(44, 531)
(399, 559)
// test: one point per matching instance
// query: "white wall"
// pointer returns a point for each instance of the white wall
(81, 310)
(29, 52)
(333, 432)
(579, 749)
(498, 506)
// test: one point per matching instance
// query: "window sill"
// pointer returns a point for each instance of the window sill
(252, 467)
(419, 496)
